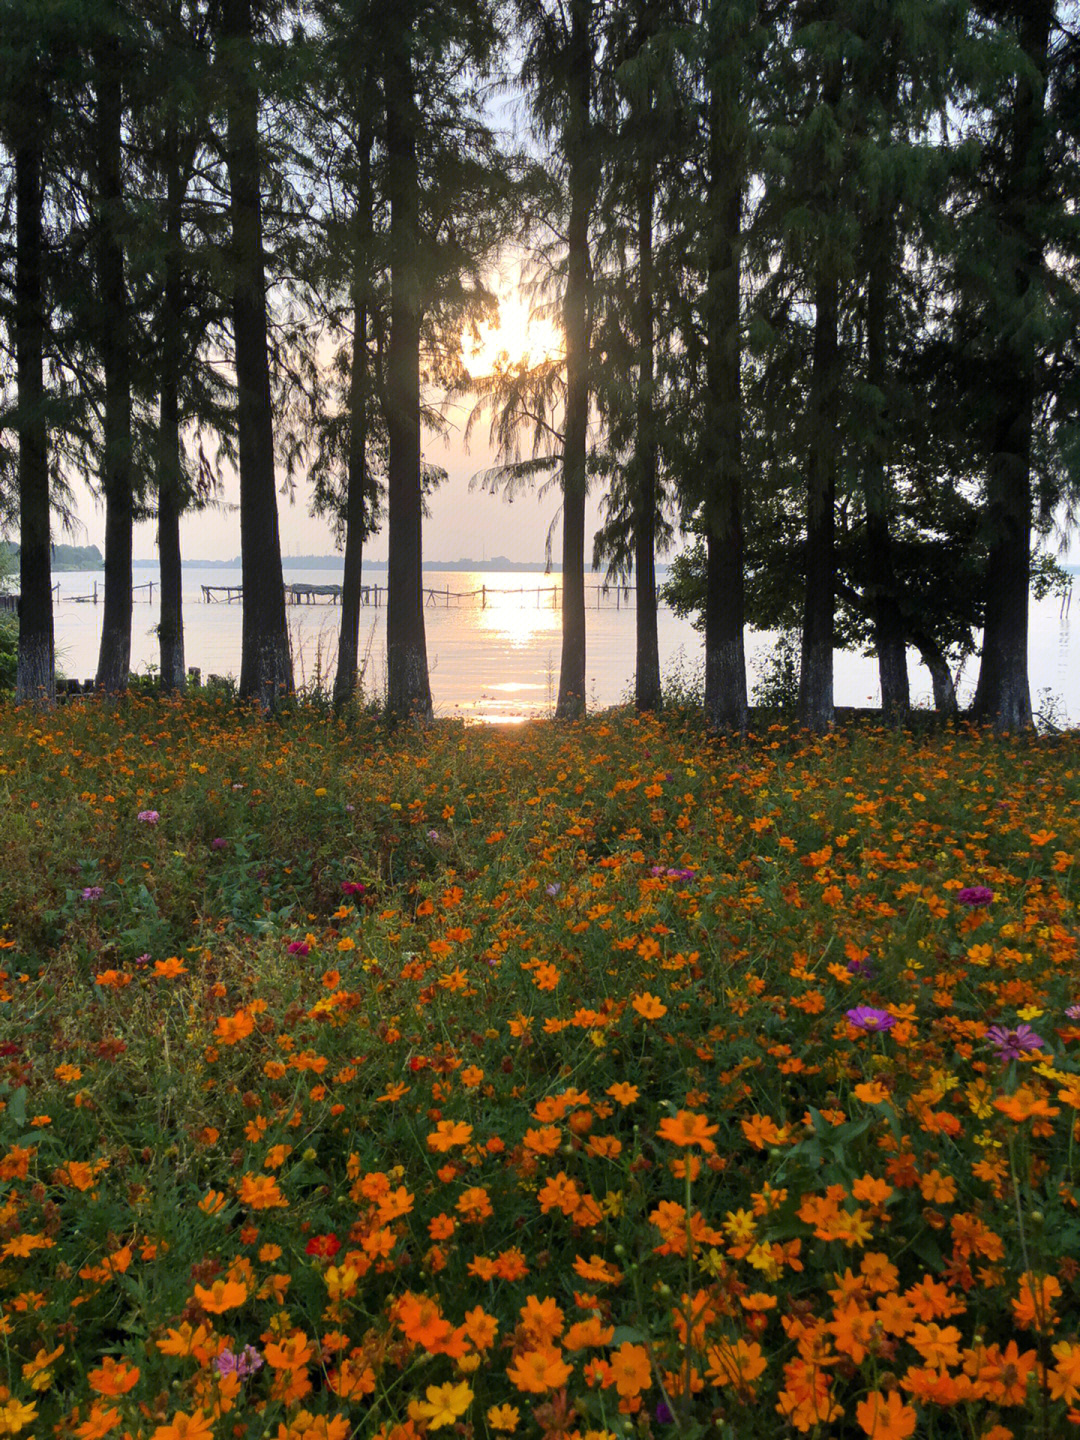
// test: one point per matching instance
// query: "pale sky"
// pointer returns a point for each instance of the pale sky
(463, 524)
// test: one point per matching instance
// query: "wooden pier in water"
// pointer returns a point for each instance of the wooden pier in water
(98, 593)
(613, 597)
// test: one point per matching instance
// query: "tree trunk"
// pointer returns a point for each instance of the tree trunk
(266, 673)
(647, 692)
(408, 685)
(114, 348)
(35, 678)
(571, 698)
(1003, 694)
(169, 477)
(889, 639)
(816, 673)
(725, 659)
(933, 657)
(347, 675)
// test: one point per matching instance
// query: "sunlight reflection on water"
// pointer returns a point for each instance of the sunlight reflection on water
(493, 642)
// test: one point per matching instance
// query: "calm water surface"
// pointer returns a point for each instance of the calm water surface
(495, 655)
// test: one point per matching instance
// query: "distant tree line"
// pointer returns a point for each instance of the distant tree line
(814, 263)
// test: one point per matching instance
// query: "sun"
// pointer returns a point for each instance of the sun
(517, 337)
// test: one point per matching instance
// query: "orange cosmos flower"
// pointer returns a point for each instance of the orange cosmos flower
(538, 1371)
(421, 1322)
(184, 1341)
(597, 1270)
(442, 1226)
(169, 969)
(686, 1128)
(448, 1133)
(352, 1380)
(221, 1296)
(630, 1369)
(195, 1426)
(542, 1320)
(98, 1424)
(885, 1417)
(590, 1332)
(544, 1141)
(113, 1377)
(559, 1193)
(735, 1363)
(871, 1093)
(481, 1328)
(1034, 1309)
(1065, 1377)
(291, 1354)
(1025, 1104)
(74, 1173)
(261, 1192)
(648, 1006)
(231, 1029)
(473, 1204)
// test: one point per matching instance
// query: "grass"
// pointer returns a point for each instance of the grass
(563, 1081)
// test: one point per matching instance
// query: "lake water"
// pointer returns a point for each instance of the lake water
(495, 657)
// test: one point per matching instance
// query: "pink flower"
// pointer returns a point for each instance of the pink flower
(148, 817)
(974, 895)
(866, 1017)
(1011, 1044)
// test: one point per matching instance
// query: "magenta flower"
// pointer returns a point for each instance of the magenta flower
(1011, 1044)
(218, 843)
(299, 947)
(974, 895)
(93, 892)
(246, 1363)
(865, 1017)
(148, 817)
(353, 887)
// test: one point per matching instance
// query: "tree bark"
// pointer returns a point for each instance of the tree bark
(35, 677)
(647, 692)
(266, 673)
(933, 657)
(114, 348)
(169, 475)
(347, 675)
(1003, 694)
(725, 658)
(571, 698)
(889, 639)
(408, 684)
(815, 708)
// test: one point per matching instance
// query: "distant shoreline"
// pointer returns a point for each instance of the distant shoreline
(497, 564)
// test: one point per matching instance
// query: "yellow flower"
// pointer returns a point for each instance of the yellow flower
(14, 1415)
(504, 1418)
(443, 1406)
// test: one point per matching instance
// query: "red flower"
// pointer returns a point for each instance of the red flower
(325, 1246)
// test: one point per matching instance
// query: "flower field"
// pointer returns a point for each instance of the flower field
(569, 1081)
